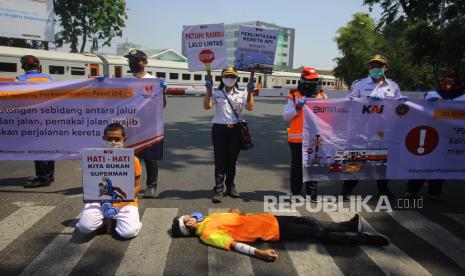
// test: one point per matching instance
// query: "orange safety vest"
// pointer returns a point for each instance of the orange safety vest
(294, 132)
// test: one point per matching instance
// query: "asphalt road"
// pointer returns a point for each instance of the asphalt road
(38, 236)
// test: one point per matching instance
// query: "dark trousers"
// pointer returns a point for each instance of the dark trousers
(45, 170)
(151, 168)
(296, 172)
(434, 186)
(349, 185)
(226, 148)
(293, 228)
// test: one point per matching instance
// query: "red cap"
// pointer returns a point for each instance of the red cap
(309, 73)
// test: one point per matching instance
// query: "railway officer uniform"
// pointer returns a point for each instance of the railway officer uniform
(44, 170)
(376, 86)
(226, 132)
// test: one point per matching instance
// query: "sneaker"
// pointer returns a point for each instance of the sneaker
(217, 197)
(357, 225)
(38, 182)
(232, 192)
(372, 239)
(150, 192)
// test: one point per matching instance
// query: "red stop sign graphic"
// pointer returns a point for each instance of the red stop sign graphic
(207, 56)
(422, 140)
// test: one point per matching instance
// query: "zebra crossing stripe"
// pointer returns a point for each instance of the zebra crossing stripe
(390, 259)
(147, 253)
(310, 259)
(61, 255)
(221, 262)
(431, 232)
(459, 218)
(19, 221)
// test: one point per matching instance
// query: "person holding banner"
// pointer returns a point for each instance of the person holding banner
(226, 132)
(451, 88)
(126, 214)
(308, 88)
(44, 170)
(137, 60)
(376, 87)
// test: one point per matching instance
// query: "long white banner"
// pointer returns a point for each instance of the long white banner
(55, 120)
(366, 139)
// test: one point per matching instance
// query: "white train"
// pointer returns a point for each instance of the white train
(65, 66)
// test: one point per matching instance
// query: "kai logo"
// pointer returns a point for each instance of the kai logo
(148, 89)
(373, 108)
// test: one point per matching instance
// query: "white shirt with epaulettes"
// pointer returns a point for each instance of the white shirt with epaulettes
(223, 112)
(367, 87)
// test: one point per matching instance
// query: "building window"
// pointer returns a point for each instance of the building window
(118, 71)
(174, 76)
(294, 81)
(197, 77)
(217, 78)
(8, 67)
(161, 75)
(186, 76)
(288, 81)
(238, 79)
(244, 79)
(149, 72)
(56, 70)
(78, 71)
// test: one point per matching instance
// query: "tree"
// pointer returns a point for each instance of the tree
(94, 20)
(356, 42)
(435, 30)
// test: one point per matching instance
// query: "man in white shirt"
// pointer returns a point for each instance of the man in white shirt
(137, 62)
(376, 87)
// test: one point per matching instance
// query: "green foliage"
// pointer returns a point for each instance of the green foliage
(94, 20)
(420, 38)
(356, 42)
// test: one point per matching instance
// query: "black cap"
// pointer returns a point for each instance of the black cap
(135, 53)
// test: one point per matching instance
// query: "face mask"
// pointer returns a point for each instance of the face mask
(135, 66)
(377, 73)
(229, 82)
(118, 145)
(311, 88)
(198, 216)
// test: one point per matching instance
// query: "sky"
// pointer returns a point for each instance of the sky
(158, 24)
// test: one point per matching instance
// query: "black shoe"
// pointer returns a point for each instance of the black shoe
(38, 182)
(151, 192)
(356, 222)
(313, 198)
(217, 197)
(372, 239)
(232, 192)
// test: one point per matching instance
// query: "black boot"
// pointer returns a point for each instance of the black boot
(231, 191)
(310, 189)
(218, 189)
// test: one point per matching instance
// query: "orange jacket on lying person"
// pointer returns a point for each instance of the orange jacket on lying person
(228, 230)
